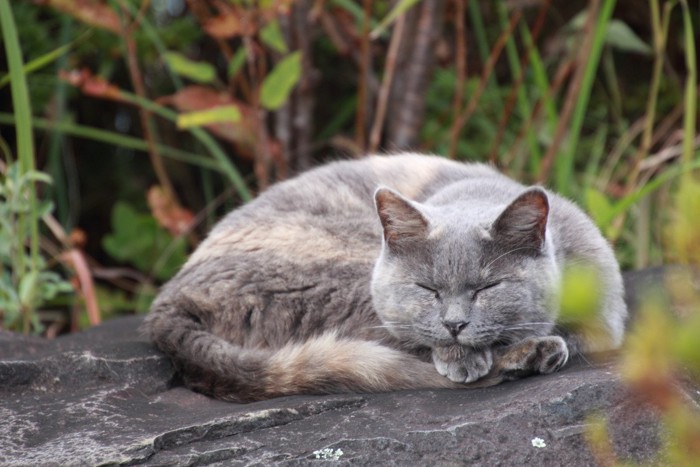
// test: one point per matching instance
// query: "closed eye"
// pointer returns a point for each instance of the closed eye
(486, 287)
(429, 289)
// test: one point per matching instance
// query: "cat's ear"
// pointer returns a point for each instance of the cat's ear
(402, 222)
(524, 222)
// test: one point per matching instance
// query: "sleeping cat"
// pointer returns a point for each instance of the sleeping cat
(385, 273)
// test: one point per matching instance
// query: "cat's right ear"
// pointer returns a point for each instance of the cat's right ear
(523, 224)
(403, 224)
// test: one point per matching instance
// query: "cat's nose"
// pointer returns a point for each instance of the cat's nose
(455, 327)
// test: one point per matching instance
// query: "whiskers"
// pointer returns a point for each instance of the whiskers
(496, 328)
(510, 333)
(533, 324)
(391, 325)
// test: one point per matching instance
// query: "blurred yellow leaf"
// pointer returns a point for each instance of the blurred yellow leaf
(200, 72)
(580, 294)
(279, 83)
(222, 114)
(647, 354)
(683, 233)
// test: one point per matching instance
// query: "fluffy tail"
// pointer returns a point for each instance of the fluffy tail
(321, 365)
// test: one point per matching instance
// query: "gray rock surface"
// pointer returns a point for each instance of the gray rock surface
(106, 397)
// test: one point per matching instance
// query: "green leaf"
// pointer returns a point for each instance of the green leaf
(35, 176)
(137, 238)
(271, 35)
(279, 83)
(621, 36)
(120, 242)
(220, 114)
(237, 62)
(28, 288)
(200, 72)
(51, 284)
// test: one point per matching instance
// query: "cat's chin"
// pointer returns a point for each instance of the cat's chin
(449, 342)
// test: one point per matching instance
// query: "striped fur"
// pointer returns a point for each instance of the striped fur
(297, 293)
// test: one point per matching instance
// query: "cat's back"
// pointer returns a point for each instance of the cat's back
(347, 186)
(330, 210)
(305, 249)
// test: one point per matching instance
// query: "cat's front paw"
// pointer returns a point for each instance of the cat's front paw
(533, 355)
(462, 364)
(552, 354)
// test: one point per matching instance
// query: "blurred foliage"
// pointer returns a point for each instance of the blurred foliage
(661, 354)
(196, 97)
(23, 287)
(136, 238)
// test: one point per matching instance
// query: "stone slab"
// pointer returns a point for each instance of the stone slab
(106, 397)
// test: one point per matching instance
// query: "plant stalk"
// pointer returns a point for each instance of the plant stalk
(25, 148)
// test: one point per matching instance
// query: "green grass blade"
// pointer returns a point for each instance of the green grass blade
(522, 100)
(355, 10)
(20, 93)
(691, 98)
(625, 203)
(482, 44)
(401, 7)
(202, 136)
(564, 165)
(39, 62)
(540, 79)
(479, 29)
(25, 140)
(597, 151)
(115, 139)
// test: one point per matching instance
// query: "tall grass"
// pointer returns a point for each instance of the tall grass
(662, 346)
(564, 164)
(115, 139)
(604, 165)
(28, 222)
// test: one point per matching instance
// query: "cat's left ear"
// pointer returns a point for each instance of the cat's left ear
(524, 222)
(402, 222)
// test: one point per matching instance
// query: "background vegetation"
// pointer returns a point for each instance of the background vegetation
(128, 127)
(149, 119)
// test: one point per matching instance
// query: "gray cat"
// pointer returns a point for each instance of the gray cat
(385, 273)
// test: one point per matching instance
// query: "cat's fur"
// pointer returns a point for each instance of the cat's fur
(385, 273)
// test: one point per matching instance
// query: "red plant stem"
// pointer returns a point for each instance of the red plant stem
(462, 119)
(284, 115)
(365, 63)
(262, 162)
(304, 97)
(384, 90)
(510, 103)
(87, 287)
(564, 70)
(145, 116)
(416, 65)
(572, 94)
(460, 59)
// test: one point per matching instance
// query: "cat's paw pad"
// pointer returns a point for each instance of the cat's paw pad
(552, 353)
(462, 365)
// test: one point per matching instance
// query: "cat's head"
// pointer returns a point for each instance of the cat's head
(456, 274)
